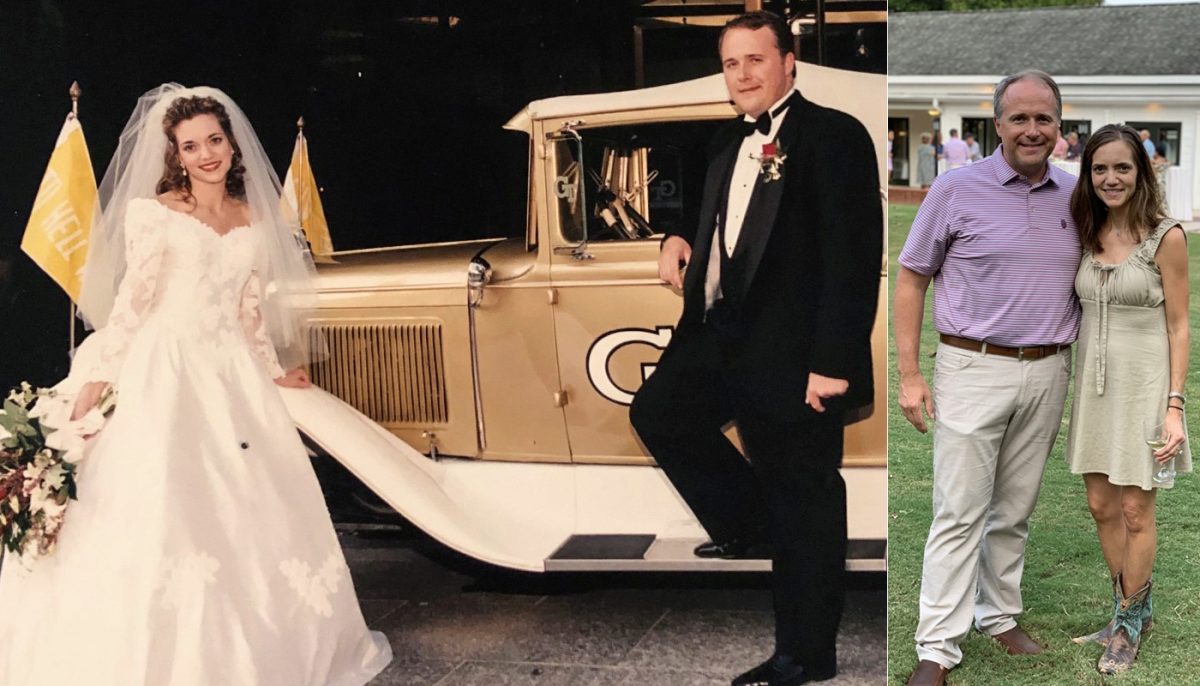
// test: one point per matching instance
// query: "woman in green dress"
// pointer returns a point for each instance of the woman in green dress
(1132, 364)
(926, 161)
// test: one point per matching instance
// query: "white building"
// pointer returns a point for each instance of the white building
(1136, 65)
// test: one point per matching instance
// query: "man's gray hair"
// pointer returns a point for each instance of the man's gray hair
(1032, 75)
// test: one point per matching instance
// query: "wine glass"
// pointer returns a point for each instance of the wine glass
(1164, 472)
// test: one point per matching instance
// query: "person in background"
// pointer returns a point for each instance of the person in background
(1074, 147)
(1147, 145)
(1160, 164)
(890, 142)
(1060, 148)
(973, 147)
(926, 161)
(955, 151)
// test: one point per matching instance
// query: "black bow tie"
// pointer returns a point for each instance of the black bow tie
(763, 123)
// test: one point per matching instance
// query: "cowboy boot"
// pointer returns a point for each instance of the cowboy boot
(1126, 637)
(1103, 635)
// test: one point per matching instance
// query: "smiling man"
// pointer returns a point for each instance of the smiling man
(779, 302)
(998, 241)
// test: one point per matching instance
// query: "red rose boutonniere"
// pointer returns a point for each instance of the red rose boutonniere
(771, 161)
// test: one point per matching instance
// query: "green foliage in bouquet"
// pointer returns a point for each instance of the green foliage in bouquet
(38, 465)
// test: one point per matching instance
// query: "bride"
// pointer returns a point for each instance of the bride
(200, 551)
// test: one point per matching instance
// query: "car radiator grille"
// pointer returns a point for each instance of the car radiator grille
(393, 373)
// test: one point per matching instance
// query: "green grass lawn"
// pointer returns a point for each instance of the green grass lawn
(1066, 586)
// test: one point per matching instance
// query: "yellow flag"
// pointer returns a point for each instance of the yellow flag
(56, 237)
(301, 195)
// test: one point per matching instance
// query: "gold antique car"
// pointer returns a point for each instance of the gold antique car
(482, 388)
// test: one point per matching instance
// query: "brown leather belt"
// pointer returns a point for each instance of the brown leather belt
(1028, 352)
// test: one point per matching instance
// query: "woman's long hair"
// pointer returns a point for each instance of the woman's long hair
(173, 178)
(1145, 205)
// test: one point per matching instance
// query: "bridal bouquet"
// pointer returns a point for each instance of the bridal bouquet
(40, 446)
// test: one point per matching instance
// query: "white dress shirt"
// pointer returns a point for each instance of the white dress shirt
(741, 186)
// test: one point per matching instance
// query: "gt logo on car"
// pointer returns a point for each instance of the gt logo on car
(605, 346)
(563, 188)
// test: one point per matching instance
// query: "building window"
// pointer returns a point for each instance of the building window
(900, 141)
(1164, 135)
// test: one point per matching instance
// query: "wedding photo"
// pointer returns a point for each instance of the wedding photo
(361, 343)
(1041, 175)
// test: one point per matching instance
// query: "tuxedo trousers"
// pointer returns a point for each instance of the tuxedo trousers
(788, 483)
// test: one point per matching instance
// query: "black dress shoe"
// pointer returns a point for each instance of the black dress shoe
(781, 670)
(737, 549)
(729, 550)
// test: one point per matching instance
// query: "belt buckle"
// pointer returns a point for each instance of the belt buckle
(1021, 353)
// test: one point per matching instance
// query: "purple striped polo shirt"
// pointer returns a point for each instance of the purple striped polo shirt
(1003, 254)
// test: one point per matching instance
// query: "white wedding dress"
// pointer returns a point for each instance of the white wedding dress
(200, 551)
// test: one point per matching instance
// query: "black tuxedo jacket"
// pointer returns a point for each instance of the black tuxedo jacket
(813, 249)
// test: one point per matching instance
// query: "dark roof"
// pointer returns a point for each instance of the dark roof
(1074, 41)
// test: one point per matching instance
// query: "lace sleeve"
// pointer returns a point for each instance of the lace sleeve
(144, 246)
(255, 328)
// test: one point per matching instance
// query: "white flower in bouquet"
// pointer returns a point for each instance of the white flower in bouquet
(52, 408)
(44, 499)
(55, 477)
(34, 469)
(23, 395)
(69, 436)
(71, 439)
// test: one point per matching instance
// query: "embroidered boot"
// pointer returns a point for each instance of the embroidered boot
(1103, 635)
(1126, 637)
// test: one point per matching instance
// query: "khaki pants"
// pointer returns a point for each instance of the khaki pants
(997, 418)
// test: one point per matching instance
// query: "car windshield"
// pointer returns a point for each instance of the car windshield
(644, 179)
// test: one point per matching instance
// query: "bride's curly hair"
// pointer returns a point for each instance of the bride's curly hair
(173, 178)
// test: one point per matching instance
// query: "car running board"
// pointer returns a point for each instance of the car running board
(647, 553)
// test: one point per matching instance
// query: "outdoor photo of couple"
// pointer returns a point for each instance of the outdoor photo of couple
(762, 343)
(1040, 488)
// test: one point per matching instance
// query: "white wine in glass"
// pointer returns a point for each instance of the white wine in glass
(1164, 472)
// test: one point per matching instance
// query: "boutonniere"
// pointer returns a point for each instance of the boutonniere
(770, 161)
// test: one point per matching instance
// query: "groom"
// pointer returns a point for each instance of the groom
(779, 300)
